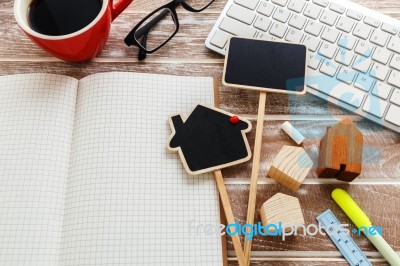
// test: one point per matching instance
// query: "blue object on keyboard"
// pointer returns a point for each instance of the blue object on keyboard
(353, 51)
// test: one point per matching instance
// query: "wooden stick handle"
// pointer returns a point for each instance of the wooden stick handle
(255, 171)
(229, 216)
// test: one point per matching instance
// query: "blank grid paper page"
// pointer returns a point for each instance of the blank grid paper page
(36, 124)
(129, 201)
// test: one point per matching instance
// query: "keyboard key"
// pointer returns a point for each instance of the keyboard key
(327, 50)
(338, 90)
(323, 3)
(242, 14)
(395, 62)
(362, 31)
(344, 57)
(381, 55)
(250, 4)
(337, 8)
(364, 48)
(278, 29)
(328, 17)
(381, 90)
(294, 36)
(361, 64)
(347, 41)
(372, 21)
(393, 115)
(219, 39)
(363, 82)
(297, 21)
(312, 11)
(281, 14)
(265, 8)
(237, 28)
(311, 43)
(313, 28)
(375, 106)
(345, 24)
(267, 37)
(280, 2)
(394, 78)
(379, 71)
(314, 61)
(262, 23)
(354, 14)
(394, 44)
(346, 75)
(390, 28)
(296, 5)
(395, 97)
(330, 35)
(379, 37)
(329, 67)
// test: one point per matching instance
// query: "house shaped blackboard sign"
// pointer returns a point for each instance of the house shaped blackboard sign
(209, 139)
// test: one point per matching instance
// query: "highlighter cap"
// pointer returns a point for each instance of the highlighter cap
(350, 207)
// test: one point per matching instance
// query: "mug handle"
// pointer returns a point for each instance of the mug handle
(118, 7)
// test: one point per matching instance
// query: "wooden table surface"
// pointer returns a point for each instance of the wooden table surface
(377, 190)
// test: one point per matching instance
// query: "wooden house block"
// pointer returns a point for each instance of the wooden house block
(281, 208)
(341, 152)
(290, 167)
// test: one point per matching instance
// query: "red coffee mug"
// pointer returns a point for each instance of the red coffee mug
(79, 46)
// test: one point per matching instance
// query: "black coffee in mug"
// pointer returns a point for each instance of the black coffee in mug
(61, 17)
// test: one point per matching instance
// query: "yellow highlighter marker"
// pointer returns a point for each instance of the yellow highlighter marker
(361, 220)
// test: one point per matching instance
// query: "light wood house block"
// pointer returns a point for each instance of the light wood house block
(290, 167)
(281, 208)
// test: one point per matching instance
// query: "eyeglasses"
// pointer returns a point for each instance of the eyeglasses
(157, 28)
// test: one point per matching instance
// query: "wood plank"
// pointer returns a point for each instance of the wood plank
(193, 30)
(188, 42)
(380, 203)
(302, 263)
(381, 154)
(148, 6)
(232, 100)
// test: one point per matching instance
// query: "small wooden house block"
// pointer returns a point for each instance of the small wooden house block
(291, 167)
(281, 208)
(341, 152)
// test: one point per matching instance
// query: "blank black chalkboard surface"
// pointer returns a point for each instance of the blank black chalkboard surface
(265, 66)
(209, 139)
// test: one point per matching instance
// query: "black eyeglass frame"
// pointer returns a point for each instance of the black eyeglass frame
(135, 34)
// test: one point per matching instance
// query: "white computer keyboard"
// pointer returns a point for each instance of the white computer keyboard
(354, 52)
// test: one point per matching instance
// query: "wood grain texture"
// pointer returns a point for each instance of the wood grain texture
(186, 54)
(188, 43)
(316, 262)
(281, 208)
(384, 6)
(381, 153)
(380, 203)
(290, 167)
(232, 100)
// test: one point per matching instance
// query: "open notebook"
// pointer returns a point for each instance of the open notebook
(85, 176)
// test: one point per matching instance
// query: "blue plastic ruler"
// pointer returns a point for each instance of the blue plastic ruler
(342, 239)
